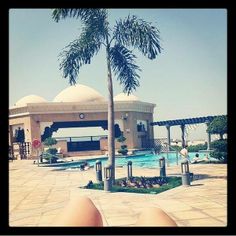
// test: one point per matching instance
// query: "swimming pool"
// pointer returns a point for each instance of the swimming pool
(143, 161)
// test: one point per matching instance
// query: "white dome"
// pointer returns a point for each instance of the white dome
(125, 97)
(29, 99)
(79, 93)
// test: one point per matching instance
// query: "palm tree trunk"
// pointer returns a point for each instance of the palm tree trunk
(111, 130)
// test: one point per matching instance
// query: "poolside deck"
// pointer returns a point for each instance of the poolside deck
(38, 194)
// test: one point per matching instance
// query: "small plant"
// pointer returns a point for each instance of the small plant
(50, 141)
(50, 154)
(123, 148)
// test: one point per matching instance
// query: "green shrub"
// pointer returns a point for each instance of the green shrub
(176, 147)
(196, 148)
(121, 139)
(123, 151)
(220, 150)
(50, 141)
(123, 148)
(49, 155)
(52, 151)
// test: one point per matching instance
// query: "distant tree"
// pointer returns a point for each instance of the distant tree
(220, 150)
(218, 126)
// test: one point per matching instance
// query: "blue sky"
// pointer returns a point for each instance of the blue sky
(188, 79)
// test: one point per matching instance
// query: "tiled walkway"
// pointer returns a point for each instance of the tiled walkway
(38, 194)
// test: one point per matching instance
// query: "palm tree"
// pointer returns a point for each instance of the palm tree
(131, 32)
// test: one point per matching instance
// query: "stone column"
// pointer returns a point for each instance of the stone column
(10, 136)
(168, 137)
(208, 136)
(182, 129)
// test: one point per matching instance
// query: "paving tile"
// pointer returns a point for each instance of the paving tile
(121, 221)
(32, 220)
(216, 212)
(206, 222)
(37, 195)
(186, 215)
(206, 204)
(173, 205)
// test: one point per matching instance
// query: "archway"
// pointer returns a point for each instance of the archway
(80, 143)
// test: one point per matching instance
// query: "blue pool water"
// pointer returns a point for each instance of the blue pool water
(147, 160)
(143, 160)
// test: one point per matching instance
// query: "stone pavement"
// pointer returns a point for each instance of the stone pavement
(38, 194)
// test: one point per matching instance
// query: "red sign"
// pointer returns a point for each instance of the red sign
(36, 143)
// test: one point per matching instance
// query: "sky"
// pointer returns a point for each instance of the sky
(188, 79)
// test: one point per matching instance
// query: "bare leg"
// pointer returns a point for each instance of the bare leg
(155, 217)
(80, 212)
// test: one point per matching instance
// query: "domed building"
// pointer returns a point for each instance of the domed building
(79, 93)
(82, 106)
(29, 99)
(124, 97)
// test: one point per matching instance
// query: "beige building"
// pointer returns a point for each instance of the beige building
(81, 106)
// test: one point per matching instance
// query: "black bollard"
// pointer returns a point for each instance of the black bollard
(98, 168)
(162, 165)
(107, 178)
(185, 173)
(129, 169)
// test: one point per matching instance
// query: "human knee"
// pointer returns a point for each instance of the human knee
(80, 212)
(155, 217)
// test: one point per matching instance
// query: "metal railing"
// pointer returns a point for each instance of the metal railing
(81, 138)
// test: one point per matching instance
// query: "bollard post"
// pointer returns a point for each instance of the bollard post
(185, 173)
(162, 166)
(129, 169)
(41, 157)
(98, 168)
(107, 178)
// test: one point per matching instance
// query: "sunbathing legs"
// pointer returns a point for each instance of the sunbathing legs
(82, 212)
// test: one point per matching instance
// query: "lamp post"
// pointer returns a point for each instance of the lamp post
(162, 167)
(107, 178)
(185, 173)
(98, 168)
(129, 169)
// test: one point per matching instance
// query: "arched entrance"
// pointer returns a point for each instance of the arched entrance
(81, 143)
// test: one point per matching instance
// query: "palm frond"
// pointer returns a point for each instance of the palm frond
(92, 18)
(87, 15)
(124, 67)
(78, 53)
(137, 33)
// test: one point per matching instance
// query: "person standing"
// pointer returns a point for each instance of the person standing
(184, 152)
